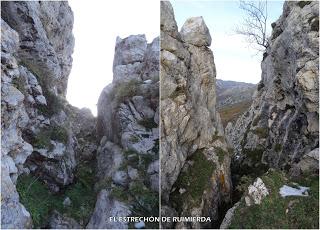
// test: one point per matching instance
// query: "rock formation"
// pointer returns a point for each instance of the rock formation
(282, 124)
(41, 133)
(195, 163)
(281, 128)
(128, 120)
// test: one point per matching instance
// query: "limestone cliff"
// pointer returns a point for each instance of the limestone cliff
(195, 163)
(41, 133)
(128, 120)
(282, 124)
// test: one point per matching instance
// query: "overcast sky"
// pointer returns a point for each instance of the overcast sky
(97, 23)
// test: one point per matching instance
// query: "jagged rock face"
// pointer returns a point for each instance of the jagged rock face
(128, 120)
(282, 123)
(46, 40)
(191, 128)
(39, 130)
(13, 116)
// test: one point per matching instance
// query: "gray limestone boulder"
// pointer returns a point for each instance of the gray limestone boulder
(196, 32)
(59, 221)
(106, 207)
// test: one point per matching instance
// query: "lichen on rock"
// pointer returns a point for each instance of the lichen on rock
(190, 123)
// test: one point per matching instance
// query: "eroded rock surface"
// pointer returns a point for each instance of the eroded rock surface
(40, 131)
(193, 149)
(128, 121)
(282, 124)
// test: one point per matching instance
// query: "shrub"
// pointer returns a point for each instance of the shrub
(221, 153)
(19, 83)
(261, 132)
(148, 123)
(278, 147)
(37, 199)
(40, 202)
(119, 193)
(125, 90)
(54, 103)
(56, 133)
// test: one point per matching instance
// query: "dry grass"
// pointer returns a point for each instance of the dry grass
(231, 113)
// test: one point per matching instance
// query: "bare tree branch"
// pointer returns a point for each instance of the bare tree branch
(254, 25)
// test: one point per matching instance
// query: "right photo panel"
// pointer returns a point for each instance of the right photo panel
(239, 114)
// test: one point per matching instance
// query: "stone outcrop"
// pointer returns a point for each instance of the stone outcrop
(193, 149)
(41, 133)
(282, 124)
(46, 40)
(128, 120)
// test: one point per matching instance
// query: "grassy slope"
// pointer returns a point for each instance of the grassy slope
(278, 212)
(232, 112)
(40, 202)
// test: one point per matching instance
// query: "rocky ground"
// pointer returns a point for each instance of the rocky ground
(128, 121)
(61, 167)
(195, 160)
(280, 130)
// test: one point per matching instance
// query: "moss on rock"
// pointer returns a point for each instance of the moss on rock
(194, 180)
(40, 202)
(281, 212)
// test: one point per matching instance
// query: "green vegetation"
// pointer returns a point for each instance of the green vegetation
(179, 91)
(221, 153)
(278, 212)
(256, 120)
(40, 202)
(20, 84)
(254, 155)
(148, 123)
(315, 24)
(54, 103)
(134, 139)
(261, 132)
(195, 180)
(243, 183)
(278, 147)
(125, 90)
(303, 3)
(233, 112)
(119, 193)
(146, 202)
(143, 201)
(216, 137)
(56, 133)
(37, 199)
(155, 148)
(252, 164)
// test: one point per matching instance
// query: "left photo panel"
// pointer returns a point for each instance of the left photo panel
(80, 114)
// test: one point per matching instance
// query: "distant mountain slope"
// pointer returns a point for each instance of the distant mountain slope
(233, 98)
(232, 92)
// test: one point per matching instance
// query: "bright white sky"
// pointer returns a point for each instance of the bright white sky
(234, 59)
(97, 23)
